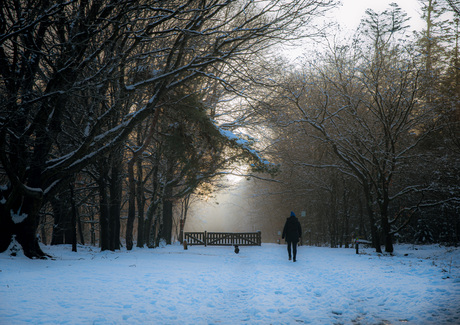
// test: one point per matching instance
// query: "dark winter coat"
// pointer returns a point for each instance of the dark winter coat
(292, 230)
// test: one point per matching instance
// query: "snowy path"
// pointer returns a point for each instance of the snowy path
(213, 285)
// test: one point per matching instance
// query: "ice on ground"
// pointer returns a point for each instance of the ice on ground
(213, 285)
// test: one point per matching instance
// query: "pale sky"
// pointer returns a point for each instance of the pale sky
(352, 11)
(349, 16)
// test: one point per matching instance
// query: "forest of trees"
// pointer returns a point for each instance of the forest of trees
(115, 114)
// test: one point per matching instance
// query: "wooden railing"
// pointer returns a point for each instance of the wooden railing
(195, 238)
(223, 238)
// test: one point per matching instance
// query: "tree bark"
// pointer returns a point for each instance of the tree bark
(370, 212)
(387, 233)
(74, 220)
(131, 205)
(25, 231)
(167, 221)
(115, 204)
(140, 206)
(104, 232)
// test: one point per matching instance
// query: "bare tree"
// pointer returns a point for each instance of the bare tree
(364, 107)
(69, 63)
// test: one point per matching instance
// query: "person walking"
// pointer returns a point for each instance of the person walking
(292, 231)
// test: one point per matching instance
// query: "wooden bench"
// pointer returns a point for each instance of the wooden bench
(361, 241)
(223, 238)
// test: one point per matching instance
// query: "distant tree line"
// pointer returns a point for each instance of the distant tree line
(367, 132)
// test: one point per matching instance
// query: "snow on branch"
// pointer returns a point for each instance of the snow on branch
(246, 146)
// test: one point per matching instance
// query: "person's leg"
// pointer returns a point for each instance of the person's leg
(294, 250)
(289, 249)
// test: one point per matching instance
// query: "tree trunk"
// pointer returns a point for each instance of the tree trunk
(167, 221)
(167, 212)
(115, 205)
(74, 220)
(140, 206)
(384, 203)
(157, 227)
(104, 233)
(183, 219)
(150, 223)
(387, 234)
(346, 223)
(26, 237)
(6, 230)
(362, 229)
(80, 230)
(131, 205)
(386, 227)
(370, 212)
(149, 226)
(24, 231)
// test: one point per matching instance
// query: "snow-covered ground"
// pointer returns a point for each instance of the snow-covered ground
(213, 285)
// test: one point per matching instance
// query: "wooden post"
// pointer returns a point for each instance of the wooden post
(357, 246)
(181, 230)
